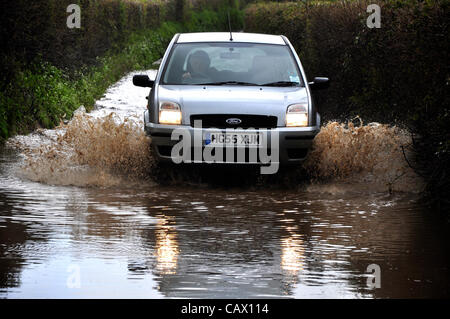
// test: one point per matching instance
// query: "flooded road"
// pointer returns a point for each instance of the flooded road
(65, 236)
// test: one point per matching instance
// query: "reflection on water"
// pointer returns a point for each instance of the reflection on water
(292, 255)
(155, 242)
(166, 246)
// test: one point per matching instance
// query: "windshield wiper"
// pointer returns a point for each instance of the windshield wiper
(278, 83)
(229, 83)
(281, 83)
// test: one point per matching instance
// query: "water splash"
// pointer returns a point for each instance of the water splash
(368, 157)
(108, 146)
(103, 151)
(88, 151)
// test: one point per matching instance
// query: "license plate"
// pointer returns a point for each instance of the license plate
(233, 139)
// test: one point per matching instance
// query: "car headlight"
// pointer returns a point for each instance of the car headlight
(169, 113)
(297, 115)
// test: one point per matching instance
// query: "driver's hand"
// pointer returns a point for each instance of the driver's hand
(187, 75)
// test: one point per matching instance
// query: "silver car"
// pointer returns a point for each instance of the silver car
(226, 88)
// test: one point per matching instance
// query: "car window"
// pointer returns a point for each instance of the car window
(200, 63)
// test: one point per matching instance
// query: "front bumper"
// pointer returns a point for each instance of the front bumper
(293, 142)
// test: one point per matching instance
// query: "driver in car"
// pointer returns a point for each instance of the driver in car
(198, 66)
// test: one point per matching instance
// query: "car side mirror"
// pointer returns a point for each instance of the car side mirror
(319, 83)
(142, 81)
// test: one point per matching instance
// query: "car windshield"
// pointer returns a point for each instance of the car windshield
(231, 64)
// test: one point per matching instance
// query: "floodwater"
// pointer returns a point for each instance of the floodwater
(70, 231)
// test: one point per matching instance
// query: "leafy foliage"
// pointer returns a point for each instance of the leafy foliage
(397, 74)
(48, 71)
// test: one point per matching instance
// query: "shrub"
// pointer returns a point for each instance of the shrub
(49, 70)
(398, 74)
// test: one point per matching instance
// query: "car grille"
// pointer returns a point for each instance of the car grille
(247, 120)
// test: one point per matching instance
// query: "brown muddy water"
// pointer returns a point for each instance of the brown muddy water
(85, 213)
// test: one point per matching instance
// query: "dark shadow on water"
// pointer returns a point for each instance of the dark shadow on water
(228, 175)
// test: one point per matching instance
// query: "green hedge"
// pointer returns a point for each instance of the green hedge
(396, 74)
(43, 95)
(49, 70)
(378, 73)
(37, 28)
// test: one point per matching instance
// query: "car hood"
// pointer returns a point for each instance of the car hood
(197, 99)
